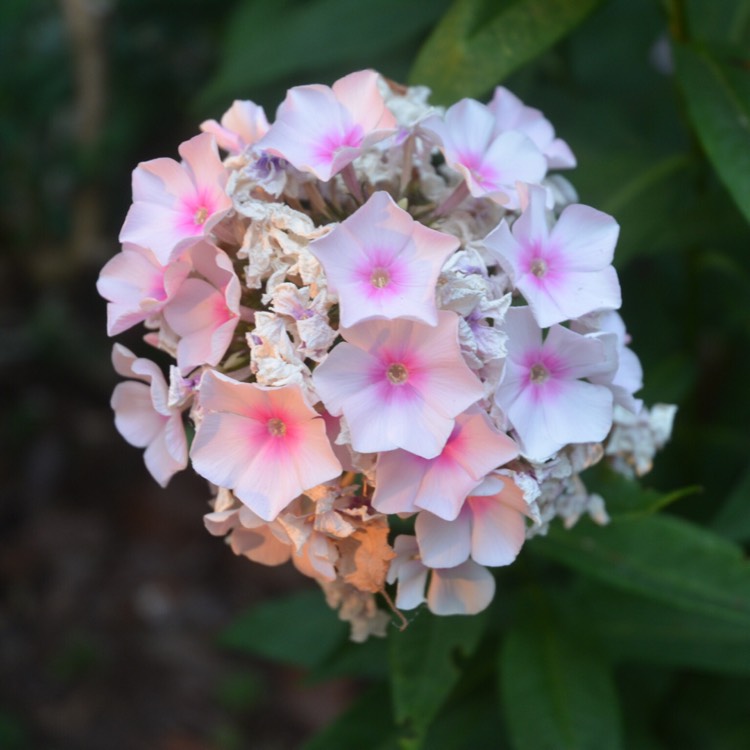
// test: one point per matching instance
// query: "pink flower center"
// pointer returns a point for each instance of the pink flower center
(276, 427)
(538, 267)
(397, 374)
(539, 374)
(380, 277)
(200, 216)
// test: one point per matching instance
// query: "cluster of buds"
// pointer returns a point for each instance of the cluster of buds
(380, 311)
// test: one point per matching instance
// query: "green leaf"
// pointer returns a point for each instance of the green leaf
(706, 712)
(425, 667)
(365, 724)
(557, 694)
(471, 722)
(480, 42)
(268, 40)
(718, 100)
(368, 660)
(663, 558)
(635, 628)
(625, 498)
(733, 520)
(300, 630)
(718, 20)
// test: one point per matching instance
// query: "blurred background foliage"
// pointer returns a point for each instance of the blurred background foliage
(119, 622)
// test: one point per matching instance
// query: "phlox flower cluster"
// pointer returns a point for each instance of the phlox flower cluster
(378, 311)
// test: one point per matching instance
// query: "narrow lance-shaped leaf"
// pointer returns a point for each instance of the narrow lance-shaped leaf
(424, 668)
(733, 520)
(299, 629)
(478, 43)
(634, 627)
(270, 39)
(557, 694)
(664, 558)
(626, 498)
(365, 723)
(718, 100)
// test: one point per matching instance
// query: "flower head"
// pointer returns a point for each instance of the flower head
(205, 311)
(490, 162)
(399, 384)
(265, 444)
(490, 528)
(144, 417)
(241, 126)
(564, 272)
(137, 286)
(543, 394)
(174, 203)
(383, 264)
(407, 483)
(320, 129)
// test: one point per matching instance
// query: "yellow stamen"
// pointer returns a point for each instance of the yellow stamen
(380, 278)
(539, 373)
(200, 216)
(397, 374)
(276, 427)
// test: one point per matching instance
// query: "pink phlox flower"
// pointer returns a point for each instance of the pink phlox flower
(628, 378)
(542, 393)
(206, 309)
(242, 125)
(137, 286)
(407, 483)
(144, 417)
(563, 272)
(491, 163)
(320, 129)
(400, 384)
(383, 264)
(265, 444)
(512, 114)
(463, 590)
(490, 528)
(175, 203)
(250, 535)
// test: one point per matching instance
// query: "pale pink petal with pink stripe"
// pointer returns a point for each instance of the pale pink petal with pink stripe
(382, 263)
(403, 388)
(177, 203)
(269, 449)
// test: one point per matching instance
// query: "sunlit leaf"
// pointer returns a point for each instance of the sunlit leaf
(479, 42)
(270, 39)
